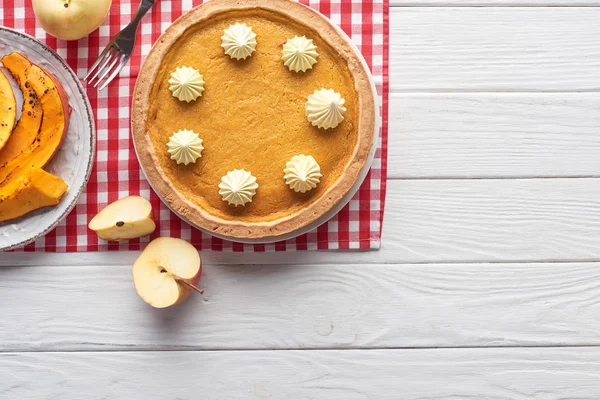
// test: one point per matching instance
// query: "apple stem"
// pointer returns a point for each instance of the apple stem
(192, 286)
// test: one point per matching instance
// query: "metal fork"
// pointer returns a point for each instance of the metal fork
(116, 54)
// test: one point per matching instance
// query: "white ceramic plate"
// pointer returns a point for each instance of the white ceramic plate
(73, 162)
(345, 200)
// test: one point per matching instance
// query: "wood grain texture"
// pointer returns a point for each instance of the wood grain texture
(502, 220)
(483, 374)
(476, 220)
(499, 135)
(390, 315)
(495, 49)
(300, 307)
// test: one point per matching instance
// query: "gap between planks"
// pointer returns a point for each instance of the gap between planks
(126, 258)
(184, 349)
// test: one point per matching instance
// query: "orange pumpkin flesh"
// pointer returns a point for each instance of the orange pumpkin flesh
(28, 127)
(8, 110)
(24, 185)
(34, 189)
(54, 125)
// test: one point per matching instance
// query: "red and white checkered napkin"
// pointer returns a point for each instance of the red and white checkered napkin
(117, 172)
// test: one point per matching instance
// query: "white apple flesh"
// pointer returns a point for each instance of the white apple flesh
(71, 19)
(125, 219)
(167, 271)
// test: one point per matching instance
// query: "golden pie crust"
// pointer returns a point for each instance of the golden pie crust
(252, 116)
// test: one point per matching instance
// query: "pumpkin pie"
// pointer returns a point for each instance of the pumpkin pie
(255, 115)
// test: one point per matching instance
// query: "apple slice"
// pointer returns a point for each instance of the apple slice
(127, 218)
(166, 272)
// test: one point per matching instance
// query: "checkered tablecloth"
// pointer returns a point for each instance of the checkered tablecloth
(117, 172)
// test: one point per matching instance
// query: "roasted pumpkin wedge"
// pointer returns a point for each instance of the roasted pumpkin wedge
(8, 110)
(55, 122)
(28, 127)
(33, 189)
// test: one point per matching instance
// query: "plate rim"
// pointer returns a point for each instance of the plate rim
(92, 138)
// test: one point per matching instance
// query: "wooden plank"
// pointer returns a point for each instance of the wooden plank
(494, 135)
(475, 220)
(333, 375)
(494, 220)
(495, 49)
(300, 307)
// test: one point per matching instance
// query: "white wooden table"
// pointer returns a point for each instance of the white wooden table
(487, 287)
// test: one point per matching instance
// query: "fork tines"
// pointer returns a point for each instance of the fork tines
(109, 63)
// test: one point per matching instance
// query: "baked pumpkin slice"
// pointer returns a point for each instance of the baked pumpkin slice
(32, 190)
(28, 126)
(55, 122)
(8, 110)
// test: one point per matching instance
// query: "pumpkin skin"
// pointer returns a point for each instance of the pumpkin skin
(8, 110)
(34, 189)
(28, 127)
(55, 122)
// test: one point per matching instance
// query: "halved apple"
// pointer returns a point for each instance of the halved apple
(28, 127)
(167, 271)
(8, 110)
(71, 19)
(127, 218)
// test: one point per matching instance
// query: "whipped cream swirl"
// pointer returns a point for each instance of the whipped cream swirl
(185, 147)
(239, 41)
(325, 108)
(186, 83)
(302, 173)
(299, 54)
(238, 187)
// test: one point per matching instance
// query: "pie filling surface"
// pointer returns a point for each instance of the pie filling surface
(251, 116)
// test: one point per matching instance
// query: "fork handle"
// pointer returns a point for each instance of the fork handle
(131, 28)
